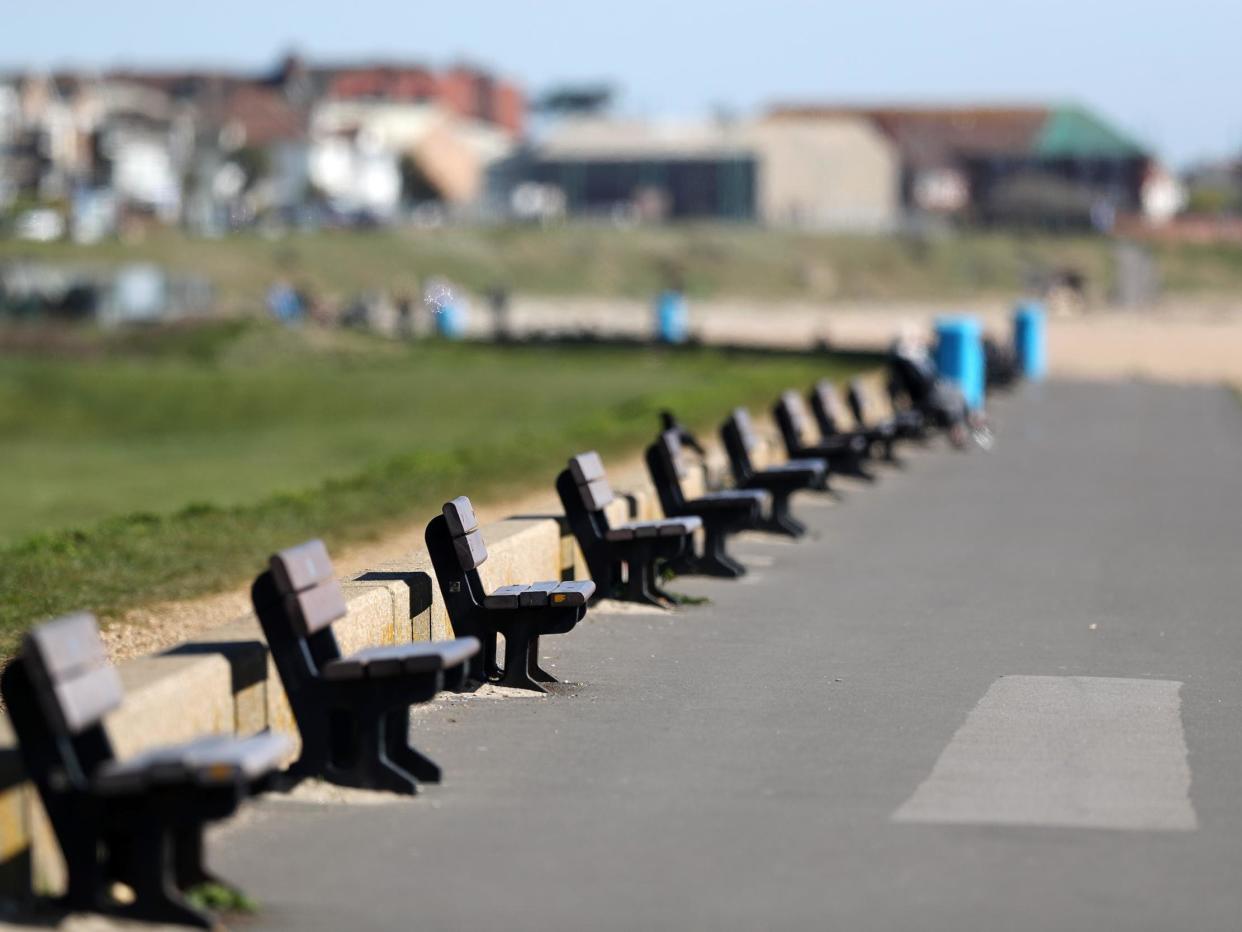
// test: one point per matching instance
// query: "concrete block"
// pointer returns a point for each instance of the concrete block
(16, 869)
(617, 511)
(427, 618)
(371, 620)
(156, 708)
(240, 643)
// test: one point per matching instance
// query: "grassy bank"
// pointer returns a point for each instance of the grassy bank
(170, 464)
(713, 260)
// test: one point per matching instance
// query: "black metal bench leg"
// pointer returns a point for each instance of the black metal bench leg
(537, 673)
(361, 756)
(87, 889)
(188, 859)
(638, 587)
(401, 753)
(781, 521)
(488, 668)
(852, 465)
(516, 674)
(715, 561)
(156, 897)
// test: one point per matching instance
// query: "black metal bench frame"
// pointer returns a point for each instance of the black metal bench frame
(825, 401)
(845, 455)
(911, 392)
(353, 712)
(522, 613)
(722, 513)
(905, 424)
(137, 821)
(740, 443)
(640, 547)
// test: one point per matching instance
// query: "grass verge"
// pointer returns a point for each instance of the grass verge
(245, 440)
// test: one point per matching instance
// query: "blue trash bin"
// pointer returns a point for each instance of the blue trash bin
(451, 320)
(959, 356)
(672, 317)
(1030, 339)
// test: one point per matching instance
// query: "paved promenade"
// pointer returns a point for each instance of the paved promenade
(997, 691)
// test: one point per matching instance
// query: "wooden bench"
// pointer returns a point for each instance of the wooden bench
(522, 613)
(781, 481)
(722, 513)
(137, 821)
(352, 711)
(638, 547)
(845, 455)
(828, 411)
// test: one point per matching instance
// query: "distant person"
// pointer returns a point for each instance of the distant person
(405, 318)
(284, 303)
(498, 300)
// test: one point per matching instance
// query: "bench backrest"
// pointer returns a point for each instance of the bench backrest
(740, 442)
(664, 462)
(73, 682)
(588, 473)
(856, 397)
(791, 418)
(58, 690)
(455, 545)
(911, 379)
(463, 528)
(306, 582)
(825, 405)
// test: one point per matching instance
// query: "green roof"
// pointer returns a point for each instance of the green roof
(1072, 132)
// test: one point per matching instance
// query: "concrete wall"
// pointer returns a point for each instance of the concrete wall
(829, 174)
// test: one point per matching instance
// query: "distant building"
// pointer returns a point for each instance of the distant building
(1049, 165)
(839, 174)
(217, 149)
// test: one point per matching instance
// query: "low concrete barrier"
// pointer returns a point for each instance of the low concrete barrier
(224, 681)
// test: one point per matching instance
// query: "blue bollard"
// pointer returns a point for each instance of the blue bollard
(1030, 340)
(959, 356)
(451, 320)
(672, 317)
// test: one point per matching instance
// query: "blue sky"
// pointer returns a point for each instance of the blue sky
(1168, 73)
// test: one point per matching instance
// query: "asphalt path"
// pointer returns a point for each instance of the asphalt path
(993, 691)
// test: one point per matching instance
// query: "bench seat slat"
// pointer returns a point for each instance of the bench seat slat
(731, 498)
(536, 594)
(573, 592)
(664, 527)
(211, 758)
(504, 597)
(398, 659)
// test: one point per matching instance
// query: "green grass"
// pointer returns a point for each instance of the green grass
(714, 260)
(171, 463)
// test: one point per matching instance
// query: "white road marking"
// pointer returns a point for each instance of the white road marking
(1069, 751)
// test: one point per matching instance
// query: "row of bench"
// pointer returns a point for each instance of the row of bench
(140, 821)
